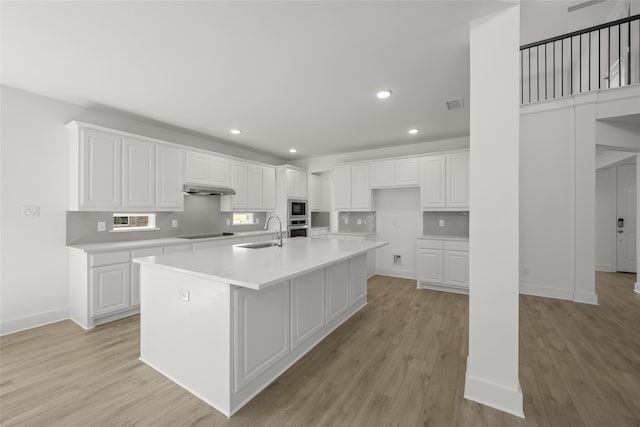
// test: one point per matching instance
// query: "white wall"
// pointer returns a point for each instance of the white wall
(541, 20)
(605, 219)
(492, 364)
(34, 172)
(399, 222)
(547, 200)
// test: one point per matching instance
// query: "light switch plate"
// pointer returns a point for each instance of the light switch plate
(228, 221)
(359, 221)
(184, 295)
(102, 226)
(441, 223)
(174, 223)
(31, 211)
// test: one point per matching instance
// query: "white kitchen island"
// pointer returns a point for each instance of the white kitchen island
(224, 323)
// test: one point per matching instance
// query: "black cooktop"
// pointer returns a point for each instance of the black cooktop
(206, 236)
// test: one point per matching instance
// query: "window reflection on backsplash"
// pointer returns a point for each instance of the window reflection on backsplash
(348, 222)
(455, 223)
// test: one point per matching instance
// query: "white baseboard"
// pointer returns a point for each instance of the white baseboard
(605, 268)
(585, 297)
(547, 292)
(637, 289)
(493, 395)
(33, 321)
(402, 274)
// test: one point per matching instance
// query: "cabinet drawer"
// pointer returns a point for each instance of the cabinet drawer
(430, 244)
(107, 258)
(456, 246)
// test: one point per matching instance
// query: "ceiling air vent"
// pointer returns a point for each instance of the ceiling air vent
(454, 104)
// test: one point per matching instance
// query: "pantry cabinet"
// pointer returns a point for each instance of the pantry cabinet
(444, 182)
(353, 189)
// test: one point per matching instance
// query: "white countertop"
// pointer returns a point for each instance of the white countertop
(167, 241)
(438, 237)
(355, 233)
(259, 268)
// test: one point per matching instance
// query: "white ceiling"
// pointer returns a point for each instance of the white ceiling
(288, 74)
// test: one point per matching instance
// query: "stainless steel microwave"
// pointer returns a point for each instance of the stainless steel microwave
(297, 208)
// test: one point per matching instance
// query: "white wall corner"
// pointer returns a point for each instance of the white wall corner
(495, 395)
(585, 297)
(637, 289)
(33, 321)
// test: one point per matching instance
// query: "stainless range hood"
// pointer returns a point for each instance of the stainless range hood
(206, 190)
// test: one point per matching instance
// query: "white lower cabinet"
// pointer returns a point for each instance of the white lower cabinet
(135, 271)
(261, 330)
(358, 279)
(110, 289)
(307, 306)
(337, 292)
(443, 265)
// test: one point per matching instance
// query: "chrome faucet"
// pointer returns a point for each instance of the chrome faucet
(266, 225)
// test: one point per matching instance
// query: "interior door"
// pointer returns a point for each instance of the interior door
(626, 217)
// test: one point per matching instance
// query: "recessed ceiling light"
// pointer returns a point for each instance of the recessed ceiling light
(413, 131)
(235, 131)
(383, 94)
(293, 150)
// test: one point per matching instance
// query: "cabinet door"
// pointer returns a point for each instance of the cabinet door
(307, 306)
(358, 279)
(260, 330)
(343, 188)
(239, 183)
(198, 168)
(456, 269)
(337, 280)
(433, 182)
(219, 171)
(169, 177)
(430, 266)
(268, 188)
(458, 180)
(314, 192)
(302, 185)
(360, 188)
(292, 183)
(407, 173)
(382, 174)
(135, 272)
(110, 290)
(139, 173)
(100, 170)
(254, 187)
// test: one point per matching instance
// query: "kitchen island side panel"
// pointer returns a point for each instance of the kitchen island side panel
(185, 328)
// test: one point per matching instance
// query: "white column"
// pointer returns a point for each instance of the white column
(492, 364)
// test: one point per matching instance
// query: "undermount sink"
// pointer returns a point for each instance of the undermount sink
(258, 245)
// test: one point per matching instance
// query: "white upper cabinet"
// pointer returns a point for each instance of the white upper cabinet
(254, 186)
(268, 188)
(169, 177)
(219, 171)
(296, 184)
(458, 180)
(98, 161)
(139, 161)
(353, 189)
(445, 182)
(206, 169)
(314, 192)
(395, 173)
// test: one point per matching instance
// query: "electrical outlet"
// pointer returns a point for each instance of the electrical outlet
(359, 221)
(174, 223)
(346, 220)
(102, 226)
(184, 295)
(397, 260)
(31, 211)
(228, 221)
(441, 223)
(257, 220)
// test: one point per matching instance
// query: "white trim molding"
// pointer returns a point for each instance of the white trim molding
(585, 297)
(493, 395)
(33, 321)
(546, 291)
(637, 289)
(401, 274)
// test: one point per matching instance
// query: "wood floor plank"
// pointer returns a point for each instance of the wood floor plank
(399, 361)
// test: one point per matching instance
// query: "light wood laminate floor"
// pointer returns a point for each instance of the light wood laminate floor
(399, 361)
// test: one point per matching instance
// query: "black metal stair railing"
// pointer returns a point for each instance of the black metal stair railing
(599, 57)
